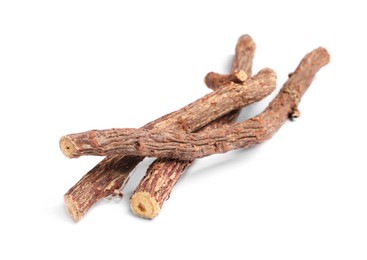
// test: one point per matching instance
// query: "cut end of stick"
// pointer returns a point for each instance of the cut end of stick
(67, 147)
(240, 75)
(246, 42)
(144, 205)
(72, 210)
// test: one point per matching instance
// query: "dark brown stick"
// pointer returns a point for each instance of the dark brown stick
(162, 175)
(185, 146)
(108, 176)
(196, 115)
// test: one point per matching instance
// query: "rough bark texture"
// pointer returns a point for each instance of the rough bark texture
(110, 175)
(104, 180)
(185, 146)
(107, 177)
(194, 116)
(155, 189)
(244, 54)
(162, 175)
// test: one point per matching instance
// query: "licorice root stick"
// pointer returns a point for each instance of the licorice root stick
(162, 175)
(186, 146)
(111, 174)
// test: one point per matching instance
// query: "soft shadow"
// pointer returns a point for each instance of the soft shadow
(251, 111)
(228, 63)
(220, 163)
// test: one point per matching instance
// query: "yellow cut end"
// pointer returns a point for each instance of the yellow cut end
(67, 147)
(144, 205)
(241, 75)
(72, 210)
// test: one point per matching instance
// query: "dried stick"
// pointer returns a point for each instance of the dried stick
(185, 146)
(104, 180)
(162, 175)
(129, 141)
(109, 176)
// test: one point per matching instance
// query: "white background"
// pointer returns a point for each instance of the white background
(71, 66)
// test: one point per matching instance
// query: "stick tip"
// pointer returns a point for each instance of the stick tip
(67, 147)
(267, 75)
(319, 57)
(144, 205)
(324, 53)
(245, 41)
(71, 208)
(240, 75)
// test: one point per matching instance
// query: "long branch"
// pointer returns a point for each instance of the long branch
(196, 115)
(162, 175)
(185, 146)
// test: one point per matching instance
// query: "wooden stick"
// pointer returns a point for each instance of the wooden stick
(185, 146)
(130, 141)
(162, 175)
(104, 180)
(109, 176)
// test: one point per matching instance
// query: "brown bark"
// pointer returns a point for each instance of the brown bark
(244, 55)
(194, 116)
(162, 175)
(108, 176)
(156, 186)
(104, 180)
(185, 146)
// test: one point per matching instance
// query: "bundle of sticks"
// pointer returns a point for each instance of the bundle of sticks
(200, 129)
